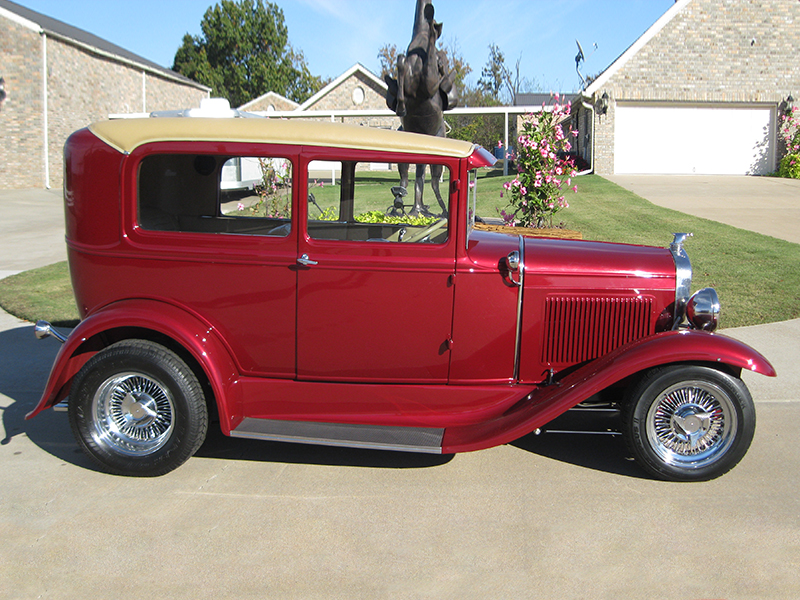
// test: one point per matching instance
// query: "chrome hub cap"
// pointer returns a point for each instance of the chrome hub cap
(134, 413)
(691, 424)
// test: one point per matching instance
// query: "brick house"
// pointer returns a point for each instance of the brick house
(269, 102)
(57, 79)
(357, 89)
(701, 92)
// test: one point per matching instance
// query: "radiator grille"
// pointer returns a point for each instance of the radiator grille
(580, 328)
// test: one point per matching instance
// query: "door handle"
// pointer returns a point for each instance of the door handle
(305, 261)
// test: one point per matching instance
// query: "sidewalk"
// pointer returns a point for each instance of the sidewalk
(31, 230)
(768, 205)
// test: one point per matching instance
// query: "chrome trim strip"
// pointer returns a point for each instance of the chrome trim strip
(683, 277)
(520, 287)
(343, 435)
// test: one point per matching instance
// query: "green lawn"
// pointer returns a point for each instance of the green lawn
(756, 276)
(44, 293)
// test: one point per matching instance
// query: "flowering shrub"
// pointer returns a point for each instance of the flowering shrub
(544, 169)
(790, 132)
(790, 166)
(274, 189)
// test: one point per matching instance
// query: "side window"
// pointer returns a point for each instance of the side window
(215, 194)
(353, 201)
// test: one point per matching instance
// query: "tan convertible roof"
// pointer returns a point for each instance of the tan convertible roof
(128, 134)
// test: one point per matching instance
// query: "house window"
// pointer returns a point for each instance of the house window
(358, 95)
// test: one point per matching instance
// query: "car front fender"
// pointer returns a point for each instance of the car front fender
(191, 333)
(548, 402)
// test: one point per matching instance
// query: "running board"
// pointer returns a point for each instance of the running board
(373, 437)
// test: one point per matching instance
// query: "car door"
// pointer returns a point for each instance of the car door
(374, 299)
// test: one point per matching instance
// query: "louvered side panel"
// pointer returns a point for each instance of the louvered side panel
(581, 328)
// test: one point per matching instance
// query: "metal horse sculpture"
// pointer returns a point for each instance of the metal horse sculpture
(419, 95)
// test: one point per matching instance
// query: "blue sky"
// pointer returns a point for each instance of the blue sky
(335, 34)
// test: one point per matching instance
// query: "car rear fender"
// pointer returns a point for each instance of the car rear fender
(144, 318)
(548, 402)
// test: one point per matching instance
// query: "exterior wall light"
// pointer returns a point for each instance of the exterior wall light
(2, 90)
(789, 104)
(602, 104)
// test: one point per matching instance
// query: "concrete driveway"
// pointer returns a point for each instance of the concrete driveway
(768, 205)
(554, 516)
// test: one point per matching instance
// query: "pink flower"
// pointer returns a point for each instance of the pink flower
(240, 206)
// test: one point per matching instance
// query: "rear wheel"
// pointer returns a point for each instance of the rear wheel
(688, 423)
(137, 409)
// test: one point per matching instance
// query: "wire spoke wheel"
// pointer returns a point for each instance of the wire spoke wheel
(691, 424)
(688, 422)
(136, 408)
(134, 413)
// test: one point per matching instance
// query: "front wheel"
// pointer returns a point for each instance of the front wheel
(688, 423)
(137, 409)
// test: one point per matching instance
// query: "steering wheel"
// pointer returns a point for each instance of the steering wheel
(420, 236)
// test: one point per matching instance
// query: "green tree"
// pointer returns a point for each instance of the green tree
(501, 82)
(244, 52)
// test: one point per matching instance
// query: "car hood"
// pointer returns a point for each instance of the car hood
(597, 259)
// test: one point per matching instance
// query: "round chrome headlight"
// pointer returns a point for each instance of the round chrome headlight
(702, 309)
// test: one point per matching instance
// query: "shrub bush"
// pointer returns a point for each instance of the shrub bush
(544, 166)
(790, 166)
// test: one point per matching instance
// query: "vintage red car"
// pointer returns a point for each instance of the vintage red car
(221, 275)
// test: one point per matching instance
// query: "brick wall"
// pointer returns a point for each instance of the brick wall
(742, 51)
(21, 124)
(346, 96)
(165, 94)
(82, 87)
(270, 101)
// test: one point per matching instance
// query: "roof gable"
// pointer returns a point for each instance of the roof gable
(357, 68)
(270, 98)
(634, 48)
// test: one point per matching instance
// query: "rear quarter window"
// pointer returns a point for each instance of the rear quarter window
(205, 193)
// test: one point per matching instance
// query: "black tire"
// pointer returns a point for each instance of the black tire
(688, 423)
(137, 409)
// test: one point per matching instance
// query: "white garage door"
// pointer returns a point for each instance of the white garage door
(694, 140)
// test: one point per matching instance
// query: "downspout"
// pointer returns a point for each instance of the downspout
(589, 107)
(44, 113)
